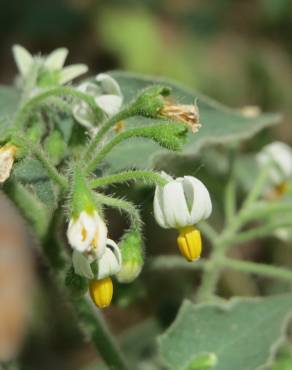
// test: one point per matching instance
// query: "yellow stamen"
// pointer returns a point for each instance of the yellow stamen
(95, 240)
(119, 127)
(190, 243)
(101, 292)
(83, 233)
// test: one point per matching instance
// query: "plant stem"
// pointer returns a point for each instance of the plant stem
(148, 177)
(25, 110)
(104, 128)
(52, 172)
(133, 132)
(261, 232)
(257, 268)
(95, 326)
(122, 205)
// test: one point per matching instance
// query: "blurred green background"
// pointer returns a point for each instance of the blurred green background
(236, 51)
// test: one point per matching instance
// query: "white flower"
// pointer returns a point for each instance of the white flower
(50, 68)
(110, 262)
(107, 95)
(280, 154)
(110, 98)
(7, 156)
(88, 233)
(181, 202)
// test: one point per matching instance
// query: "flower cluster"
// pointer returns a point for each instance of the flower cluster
(97, 105)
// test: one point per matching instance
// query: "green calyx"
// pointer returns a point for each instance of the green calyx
(150, 101)
(55, 146)
(82, 196)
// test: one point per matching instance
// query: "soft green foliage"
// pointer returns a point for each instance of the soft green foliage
(243, 333)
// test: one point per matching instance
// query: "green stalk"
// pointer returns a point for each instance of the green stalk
(148, 177)
(124, 206)
(104, 128)
(257, 268)
(25, 110)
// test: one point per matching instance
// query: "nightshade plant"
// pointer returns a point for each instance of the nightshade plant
(63, 144)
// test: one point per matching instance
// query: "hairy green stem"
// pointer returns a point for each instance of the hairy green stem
(133, 132)
(122, 205)
(25, 110)
(104, 128)
(147, 177)
(94, 325)
(51, 170)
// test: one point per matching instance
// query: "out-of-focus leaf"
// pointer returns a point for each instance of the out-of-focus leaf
(243, 334)
(31, 172)
(219, 123)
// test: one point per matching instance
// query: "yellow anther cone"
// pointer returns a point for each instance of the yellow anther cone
(190, 243)
(101, 292)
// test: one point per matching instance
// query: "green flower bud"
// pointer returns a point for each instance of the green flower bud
(150, 101)
(132, 257)
(36, 130)
(55, 146)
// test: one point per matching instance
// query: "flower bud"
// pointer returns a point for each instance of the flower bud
(132, 257)
(7, 157)
(150, 101)
(101, 292)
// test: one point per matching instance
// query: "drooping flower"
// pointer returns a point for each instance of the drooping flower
(107, 95)
(88, 234)
(7, 157)
(49, 70)
(280, 156)
(109, 264)
(180, 204)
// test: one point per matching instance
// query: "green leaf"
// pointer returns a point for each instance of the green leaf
(219, 123)
(242, 334)
(31, 172)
